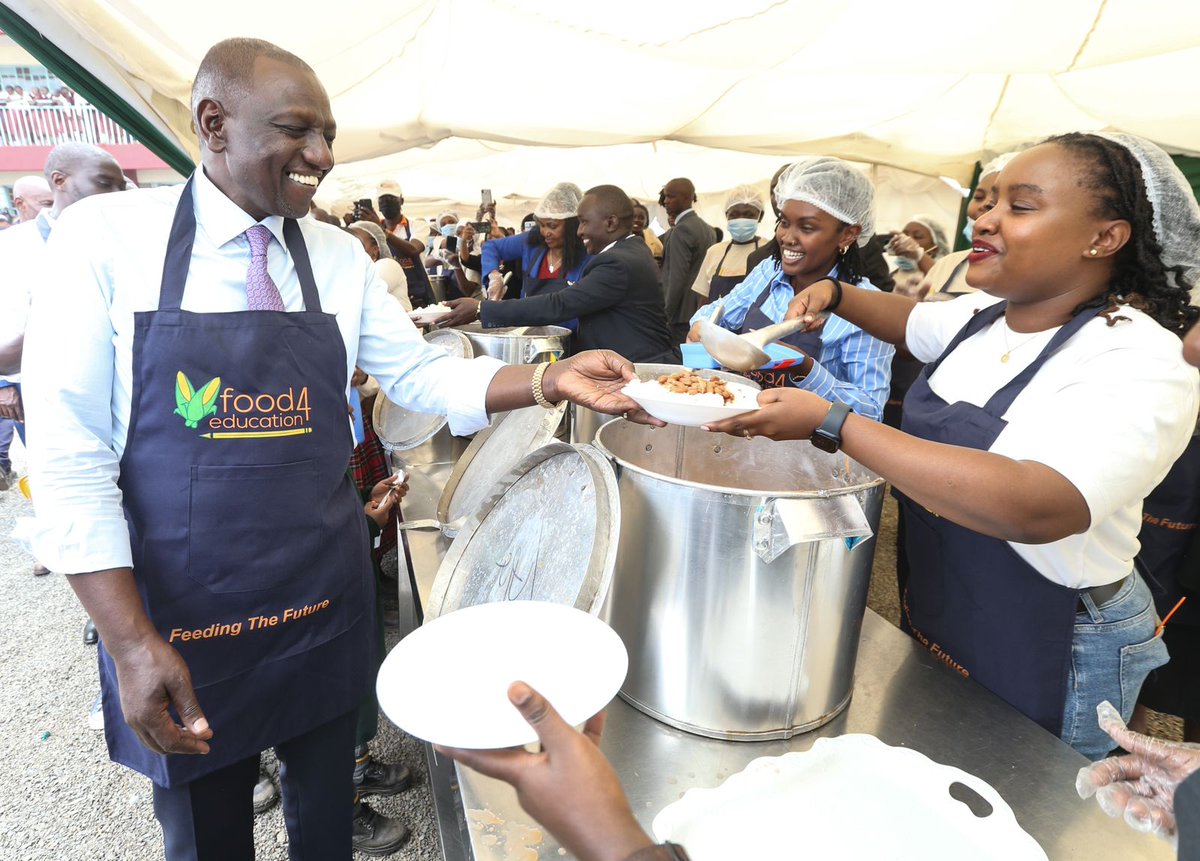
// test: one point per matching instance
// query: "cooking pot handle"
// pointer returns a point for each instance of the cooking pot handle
(542, 347)
(780, 524)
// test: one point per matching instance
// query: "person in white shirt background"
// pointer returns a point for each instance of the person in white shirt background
(238, 502)
(31, 194)
(74, 171)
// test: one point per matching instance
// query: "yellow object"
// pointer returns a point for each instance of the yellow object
(23, 486)
(254, 434)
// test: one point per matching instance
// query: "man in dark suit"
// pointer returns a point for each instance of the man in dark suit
(617, 300)
(684, 247)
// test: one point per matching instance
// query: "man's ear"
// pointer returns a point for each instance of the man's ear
(210, 124)
(58, 179)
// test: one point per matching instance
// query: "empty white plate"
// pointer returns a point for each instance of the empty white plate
(447, 681)
(429, 314)
(690, 410)
(853, 798)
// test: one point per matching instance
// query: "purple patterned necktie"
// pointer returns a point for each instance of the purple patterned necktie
(261, 292)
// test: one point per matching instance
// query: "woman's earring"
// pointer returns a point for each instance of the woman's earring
(1093, 252)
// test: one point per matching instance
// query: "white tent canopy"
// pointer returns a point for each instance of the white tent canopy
(450, 96)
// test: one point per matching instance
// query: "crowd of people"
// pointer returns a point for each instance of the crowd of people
(1047, 393)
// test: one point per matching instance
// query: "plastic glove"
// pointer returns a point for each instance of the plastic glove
(903, 245)
(495, 288)
(1140, 786)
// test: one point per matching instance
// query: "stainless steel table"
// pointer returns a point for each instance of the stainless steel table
(902, 695)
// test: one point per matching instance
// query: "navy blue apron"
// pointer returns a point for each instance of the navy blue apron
(970, 599)
(720, 285)
(808, 343)
(420, 292)
(249, 542)
(1169, 557)
(532, 285)
(535, 286)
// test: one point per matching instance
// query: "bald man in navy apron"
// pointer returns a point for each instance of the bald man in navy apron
(191, 358)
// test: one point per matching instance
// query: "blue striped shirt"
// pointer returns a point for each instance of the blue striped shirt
(855, 368)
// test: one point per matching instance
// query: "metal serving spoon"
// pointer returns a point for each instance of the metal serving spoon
(745, 352)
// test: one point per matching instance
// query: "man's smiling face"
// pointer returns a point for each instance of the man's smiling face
(272, 146)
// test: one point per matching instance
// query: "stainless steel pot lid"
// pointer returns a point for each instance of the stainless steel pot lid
(477, 330)
(494, 451)
(548, 532)
(400, 429)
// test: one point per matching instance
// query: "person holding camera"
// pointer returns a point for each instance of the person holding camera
(406, 249)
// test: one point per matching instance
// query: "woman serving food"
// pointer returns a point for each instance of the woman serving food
(1055, 400)
(826, 212)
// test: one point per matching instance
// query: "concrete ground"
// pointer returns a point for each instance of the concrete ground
(60, 797)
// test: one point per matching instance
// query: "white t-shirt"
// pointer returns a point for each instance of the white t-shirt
(1111, 411)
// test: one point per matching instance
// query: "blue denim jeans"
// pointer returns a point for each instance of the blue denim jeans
(1112, 652)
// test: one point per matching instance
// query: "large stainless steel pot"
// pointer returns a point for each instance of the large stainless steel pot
(585, 422)
(421, 443)
(741, 578)
(519, 345)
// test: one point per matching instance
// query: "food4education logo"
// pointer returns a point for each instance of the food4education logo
(191, 405)
(230, 414)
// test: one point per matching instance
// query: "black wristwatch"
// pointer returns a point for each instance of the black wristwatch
(828, 437)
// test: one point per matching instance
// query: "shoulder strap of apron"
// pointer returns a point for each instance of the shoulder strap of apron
(178, 258)
(977, 323)
(762, 297)
(999, 403)
(959, 267)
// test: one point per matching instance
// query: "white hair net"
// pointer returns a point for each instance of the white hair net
(1176, 213)
(935, 229)
(560, 202)
(997, 164)
(832, 186)
(745, 194)
(377, 234)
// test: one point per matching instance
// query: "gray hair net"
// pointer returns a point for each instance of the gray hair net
(832, 186)
(997, 164)
(377, 234)
(1176, 213)
(935, 229)
(745, 194)
(560, 202)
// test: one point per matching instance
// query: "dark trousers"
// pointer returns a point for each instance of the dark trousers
(6, 435)
(212, 818)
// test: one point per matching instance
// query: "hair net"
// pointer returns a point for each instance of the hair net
(1176, 214)
(377, 234)
(997, 164)
(935, 229)
(560, 202)
(832, 186)
(746, 194)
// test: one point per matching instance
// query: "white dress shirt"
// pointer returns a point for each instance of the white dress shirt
(106, 261)
(24, 260)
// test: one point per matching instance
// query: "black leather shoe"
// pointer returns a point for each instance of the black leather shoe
(90, 637)
(381, 778)
(376, 834)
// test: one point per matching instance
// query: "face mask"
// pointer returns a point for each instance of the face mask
(969, 229)
(742, 229)
(448, 229)
(905, 265)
